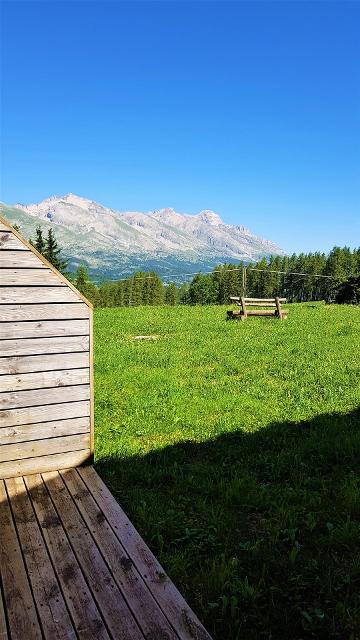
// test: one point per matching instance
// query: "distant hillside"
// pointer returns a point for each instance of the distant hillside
(113, 244)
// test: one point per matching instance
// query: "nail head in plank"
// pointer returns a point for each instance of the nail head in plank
(164, 591)
(20, 607)
(53, 614)
(140, 600)
(83, 610)
(114, 609)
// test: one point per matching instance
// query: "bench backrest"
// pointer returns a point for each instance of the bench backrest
(274, 303)
(258, 302)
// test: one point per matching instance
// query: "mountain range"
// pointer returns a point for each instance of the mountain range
(113, 244)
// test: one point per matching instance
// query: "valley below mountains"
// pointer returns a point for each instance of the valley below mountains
(114, 244)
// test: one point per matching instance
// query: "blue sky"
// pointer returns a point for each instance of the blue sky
(248, 108)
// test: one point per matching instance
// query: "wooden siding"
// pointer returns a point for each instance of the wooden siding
(46, 396)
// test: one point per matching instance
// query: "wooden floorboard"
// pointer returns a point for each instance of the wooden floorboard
(116, 614)
(53, 614)
(72, 566)
(175, 607)
(141, 602)
(82, 607)
(18, 599)
(3, 625)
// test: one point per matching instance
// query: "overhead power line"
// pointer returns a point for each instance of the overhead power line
(195, 273)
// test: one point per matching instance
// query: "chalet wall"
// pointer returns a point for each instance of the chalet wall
(45, 364)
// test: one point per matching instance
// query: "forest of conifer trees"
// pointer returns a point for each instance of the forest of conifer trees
(295, 277)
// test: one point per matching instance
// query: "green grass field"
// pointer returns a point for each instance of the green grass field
(235, 449)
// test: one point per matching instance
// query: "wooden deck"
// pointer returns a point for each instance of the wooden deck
(73, 566)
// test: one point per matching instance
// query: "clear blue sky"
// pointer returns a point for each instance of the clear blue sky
(248, 108)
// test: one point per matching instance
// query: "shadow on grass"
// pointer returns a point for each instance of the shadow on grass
(260, 531)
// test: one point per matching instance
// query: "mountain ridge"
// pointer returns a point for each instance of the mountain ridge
(112, 243)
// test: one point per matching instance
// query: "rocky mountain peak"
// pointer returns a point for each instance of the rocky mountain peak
(108, 241)
(210, 217)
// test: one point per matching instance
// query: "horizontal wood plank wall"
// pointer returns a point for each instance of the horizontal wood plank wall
(45, 365)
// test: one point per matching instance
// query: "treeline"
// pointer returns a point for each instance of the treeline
(140, 289)
(294, 277)
(302, 277)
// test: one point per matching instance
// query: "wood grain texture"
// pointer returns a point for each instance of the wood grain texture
(35, 397)
(51, 311)
(37, 346)
(19, 603)
(80, 582)
(9, 241)
(19, 260)
(32, 364)
(172, 603)
(114, 609)
(28, 466)
(29, 277)
(3, 626)
(26, 245)
(263, 300)
(23, 450)
(83, 610)
(144, 607)
(54, 617)
(46, 413)
(43, 329)
(42, 430)
(23, 295)
(45, 379)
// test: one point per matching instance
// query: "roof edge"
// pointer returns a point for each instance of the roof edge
(45, 262)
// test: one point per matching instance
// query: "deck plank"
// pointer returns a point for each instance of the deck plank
(3, 625)
(140, 600)
(53, 614)
(83, 610)
(21, 611)
(110, 600)
(164, 591)
(73, 567)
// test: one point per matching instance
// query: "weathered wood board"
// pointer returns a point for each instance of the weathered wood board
(74, 567)
(46, 395)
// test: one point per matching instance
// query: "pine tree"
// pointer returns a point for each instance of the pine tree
(171, 294)
(52, 252)
(85, 286)
(39, 244)
(81, 277)
(156, 289)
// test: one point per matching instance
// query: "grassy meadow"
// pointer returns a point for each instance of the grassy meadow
(235, 449)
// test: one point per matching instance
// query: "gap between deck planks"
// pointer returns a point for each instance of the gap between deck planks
(73, 566)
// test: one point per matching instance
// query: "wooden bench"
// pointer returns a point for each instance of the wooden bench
(272, 307)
